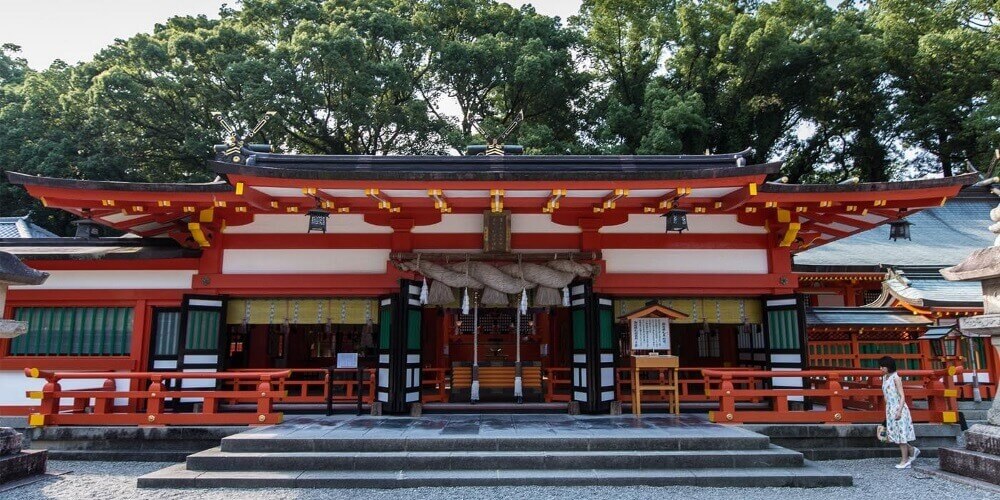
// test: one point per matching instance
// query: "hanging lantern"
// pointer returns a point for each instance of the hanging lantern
(899, 229)
(86, 229)
(317, 220)
(676, 220)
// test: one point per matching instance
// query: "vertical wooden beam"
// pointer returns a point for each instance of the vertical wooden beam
(590, 238)
(402, 235)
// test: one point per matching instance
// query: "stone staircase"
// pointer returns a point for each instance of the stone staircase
(495, 450)
(974, 413)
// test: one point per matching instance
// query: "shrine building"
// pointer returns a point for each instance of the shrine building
(448, 276)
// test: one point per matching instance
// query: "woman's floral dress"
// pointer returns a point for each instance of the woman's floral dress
(899, 431)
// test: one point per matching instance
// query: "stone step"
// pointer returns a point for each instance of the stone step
(973, 405)
(807, 476)
(858, 453)
(243, 443)
(124, 455)
(217, 460)
(974, 464)
(974, 414)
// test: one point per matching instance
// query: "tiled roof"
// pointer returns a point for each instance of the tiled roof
(925, 287)
(942, 236)
(21, 227)
(863, 316)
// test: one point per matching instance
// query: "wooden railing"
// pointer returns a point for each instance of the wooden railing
(833, 396)
(558, 384)
(146, 406)
(692, 384)
(434, 385)
(312, 385)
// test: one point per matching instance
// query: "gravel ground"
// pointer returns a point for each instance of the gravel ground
(874, 479)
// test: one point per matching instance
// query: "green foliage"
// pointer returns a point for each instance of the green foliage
(879, 89)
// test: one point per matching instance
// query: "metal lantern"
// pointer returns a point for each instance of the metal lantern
(317, 220)
(899, 229)
(87, 229)
(676, 220)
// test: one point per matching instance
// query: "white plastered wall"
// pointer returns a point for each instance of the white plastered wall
(700, 261)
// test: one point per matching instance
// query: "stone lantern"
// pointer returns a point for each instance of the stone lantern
(14, 463)
(981, 458)
(14, 272)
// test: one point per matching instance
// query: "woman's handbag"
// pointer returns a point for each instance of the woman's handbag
(881, 433)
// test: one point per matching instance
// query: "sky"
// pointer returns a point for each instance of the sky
(75, 30)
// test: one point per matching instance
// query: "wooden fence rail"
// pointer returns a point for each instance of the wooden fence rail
(312, 385)
(833, 396)
(147, 407)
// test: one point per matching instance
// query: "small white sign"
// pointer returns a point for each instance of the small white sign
(347, 360)
(651, 334)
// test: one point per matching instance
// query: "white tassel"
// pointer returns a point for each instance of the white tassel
(524, 302)
(465, 302)
(565, 296)
(474, 396)
(423, 292)
(518, 388)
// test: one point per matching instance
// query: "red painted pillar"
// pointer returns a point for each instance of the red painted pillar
(402, 235)
(590, 238)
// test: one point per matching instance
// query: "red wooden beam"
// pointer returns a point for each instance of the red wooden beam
(738, 198)
(815, 226)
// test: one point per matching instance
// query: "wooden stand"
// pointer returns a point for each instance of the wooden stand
(653, 362)
(649, 331)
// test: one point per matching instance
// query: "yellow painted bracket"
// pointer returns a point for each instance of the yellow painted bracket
(711, 416)
(33, 372)
(206, 215)
(949, 417)
(790, 234)
(951, 393)
(34, 394)
(198, 234)
(36, 420)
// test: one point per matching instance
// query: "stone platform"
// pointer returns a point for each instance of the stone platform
(981, 457)
(494, 450)
(15, 463)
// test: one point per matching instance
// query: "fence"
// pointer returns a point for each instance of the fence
(147, 406)
(832, 396)
(313, 385)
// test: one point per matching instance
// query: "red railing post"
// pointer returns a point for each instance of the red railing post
(371, 385)
(104, 405)
(154, 400)
(265, 402)
(727, 402)
(836, 400)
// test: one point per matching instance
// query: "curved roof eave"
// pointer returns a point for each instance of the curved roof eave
(510, 168)
(219, 186)
(862, 187)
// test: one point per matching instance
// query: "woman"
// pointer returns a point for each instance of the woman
(898, 424)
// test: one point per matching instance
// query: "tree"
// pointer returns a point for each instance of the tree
(495, 61)
(944, 60)
(626, 43)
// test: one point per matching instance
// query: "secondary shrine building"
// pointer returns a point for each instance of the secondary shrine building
(438, 271)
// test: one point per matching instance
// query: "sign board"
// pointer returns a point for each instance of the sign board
(347, 360)
(650, 334)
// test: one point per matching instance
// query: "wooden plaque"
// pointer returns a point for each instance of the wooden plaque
(496, 231)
